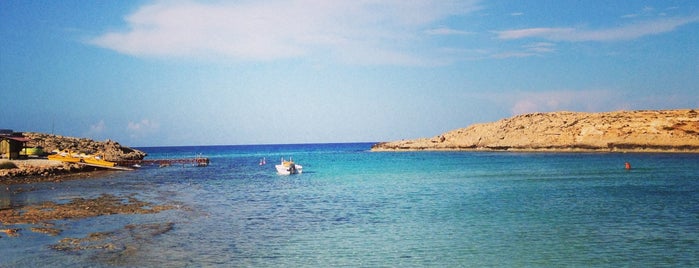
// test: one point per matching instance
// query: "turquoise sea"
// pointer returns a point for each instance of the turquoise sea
(352, 207)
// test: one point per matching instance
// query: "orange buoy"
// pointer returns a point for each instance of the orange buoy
(627, 165)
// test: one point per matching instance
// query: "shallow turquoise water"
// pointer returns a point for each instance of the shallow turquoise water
(352, 207)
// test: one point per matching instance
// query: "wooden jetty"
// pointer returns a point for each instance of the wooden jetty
(128, 164)
(117, 167)
(197, 161)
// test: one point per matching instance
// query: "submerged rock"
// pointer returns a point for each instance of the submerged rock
(78, 208)
(46, 230)
(119, 247)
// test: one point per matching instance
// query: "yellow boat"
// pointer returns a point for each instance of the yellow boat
(97, 160)
(64, 156)
(67, 156)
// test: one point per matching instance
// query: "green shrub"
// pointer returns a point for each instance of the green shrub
(7, 165)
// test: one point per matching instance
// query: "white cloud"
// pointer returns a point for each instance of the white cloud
(534, 32)
(278, 29)
(649, 12)
(541, 47)
(513, 54)
(533, 49)
(447, 31)
(575, 100)
(142, 128)
(97, 128)
(626, 32)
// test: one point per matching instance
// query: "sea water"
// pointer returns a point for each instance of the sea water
(353, 207)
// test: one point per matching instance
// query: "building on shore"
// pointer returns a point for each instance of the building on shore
(11, 143)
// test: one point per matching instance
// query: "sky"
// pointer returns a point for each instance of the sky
(170, 73)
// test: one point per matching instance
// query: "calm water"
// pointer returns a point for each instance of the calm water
(351, 207)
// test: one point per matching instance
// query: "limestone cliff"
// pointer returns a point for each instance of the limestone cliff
(111, 150)
(624, 131)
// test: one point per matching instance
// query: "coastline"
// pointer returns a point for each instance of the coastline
(16, 220)
(645, 131)
(43, 170)
(37, 168)
(381, 148)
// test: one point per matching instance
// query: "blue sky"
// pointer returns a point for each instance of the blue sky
(155, 73)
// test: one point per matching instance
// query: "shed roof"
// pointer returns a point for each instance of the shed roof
(20, 139)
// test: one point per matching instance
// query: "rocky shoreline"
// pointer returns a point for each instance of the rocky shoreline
(17, 220)
(39, 169)
(109, 149)
(42, 217)
(36, 170)
(675, 131)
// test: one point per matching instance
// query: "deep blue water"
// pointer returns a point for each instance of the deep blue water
(352, 207)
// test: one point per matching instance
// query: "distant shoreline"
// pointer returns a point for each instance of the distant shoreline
(536, 150)
(655, 131)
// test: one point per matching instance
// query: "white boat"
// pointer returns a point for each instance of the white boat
(288, 167)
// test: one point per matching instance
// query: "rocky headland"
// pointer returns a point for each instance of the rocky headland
(36, 169)
(49, 217)
(620, 131)
(109, 149)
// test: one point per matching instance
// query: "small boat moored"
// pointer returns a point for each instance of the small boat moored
(288, 167)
